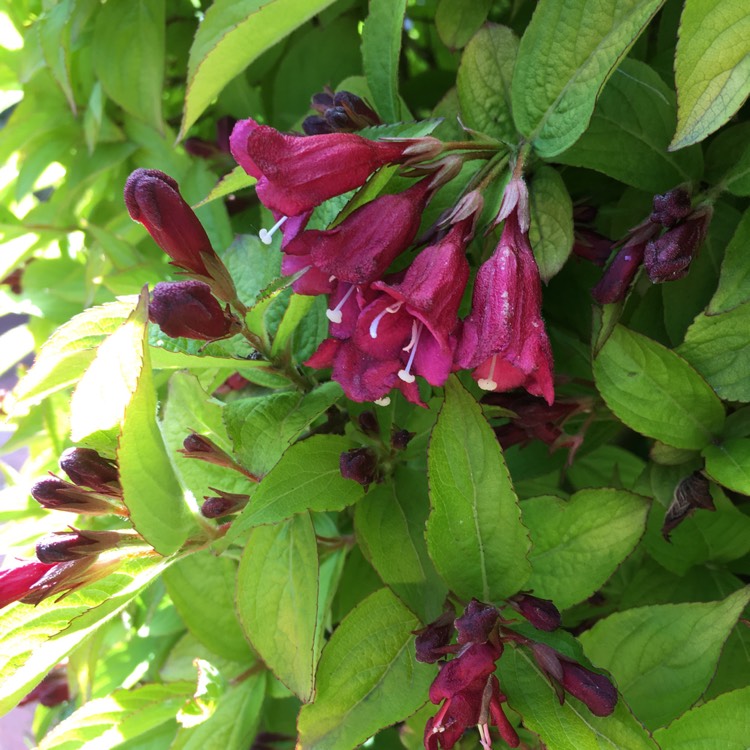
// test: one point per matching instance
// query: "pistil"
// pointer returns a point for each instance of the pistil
(266, 235)
(488, 384)
(335, 315)
(411, 347)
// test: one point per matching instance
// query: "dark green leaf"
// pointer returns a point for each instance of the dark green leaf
(734, 282)
(457, 21)
(567, 53)
(474, 533)
(368, 677)
(656, 392)
(728, 159)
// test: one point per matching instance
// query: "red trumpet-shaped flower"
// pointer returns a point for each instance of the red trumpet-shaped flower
(503, 338)
(404, 327)
(363, 245)
(297, 173)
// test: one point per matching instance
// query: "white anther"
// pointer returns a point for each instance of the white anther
(335, 315)
(266, 235)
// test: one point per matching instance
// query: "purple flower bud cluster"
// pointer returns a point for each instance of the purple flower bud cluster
(339, 112)
(466, 685)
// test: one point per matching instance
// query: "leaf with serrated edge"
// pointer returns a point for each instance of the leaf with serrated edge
(474, 533)
(368, 677)
(669, 650)
(559, 75)
(712, 67)
(232, 35)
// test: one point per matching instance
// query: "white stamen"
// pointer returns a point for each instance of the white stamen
(266, 235)
(376, 321)
(488, 384)
(331, 279)
(405, 374)
(335, 315)
(414, 335)
(484, 736)
(382, 401)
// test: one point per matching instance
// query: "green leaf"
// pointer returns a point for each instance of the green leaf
(474, 533)
(551, 230)
(457, 21)
(150, 488)
(54, 39)
(734, 281)
(392, 517)
(566, 55)
(484, 80)
(68, 352)
(570, 726)
(236, 180)
(232, 35)
(656, 392)
(381, 49)
(712, 67)
(637, 110)
(728, 159)
(277, 600)
(34, 639)
(306, 478)
(202, 587)
(728, 463)
(577, 544)
(717, 346)
(128, 56)
(721, 724)
(121, 716)
(669, 650)
(234, 722)
(368, 677)
(263, 427)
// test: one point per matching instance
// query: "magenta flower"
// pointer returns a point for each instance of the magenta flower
(16, 581)
(187, 308)
(153, 198)
(364, 244)
(504, 339)
(297, 173)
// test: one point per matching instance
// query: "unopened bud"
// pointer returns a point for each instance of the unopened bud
(368, 423)
(153, 198)
(671, 208)
(432, 640)
(692, 493)
(316, 125)
(358, 112)
(204, 449)
(591, 246)
(52, 690)
(201, 148)
(476, 623)
(223, 504)
(187, 308)
(65, 577)
(541, 613)
(401, 438)
(595, 690)
(57, 494)
(360, 464)
(668, 258)
(619, 275)
(62, 546)
(87, 468)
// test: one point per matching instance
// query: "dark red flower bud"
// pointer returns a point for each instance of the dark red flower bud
(692, 493)
(224, 504)
(316, 125)
(476, 623)
(671, 207)
(619, 275)
(56, 494)
(431, 640)
(595, 690)
(541, 613)
(187, 308)
(322, 100)
(87, 468)
(52, 690)
(204, 449)
(361, 465)
(64, 577)
(368, 423)
(13, 280)
(357, 110)
(153, 198)
(592, 246)
(401, 438)
(224, 127)
(668, 258)
(61, 546)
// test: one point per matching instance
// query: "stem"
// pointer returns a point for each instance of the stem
(472, 146)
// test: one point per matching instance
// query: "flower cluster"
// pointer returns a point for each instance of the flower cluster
(665, 245)
(467, 687)
(386, 329)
